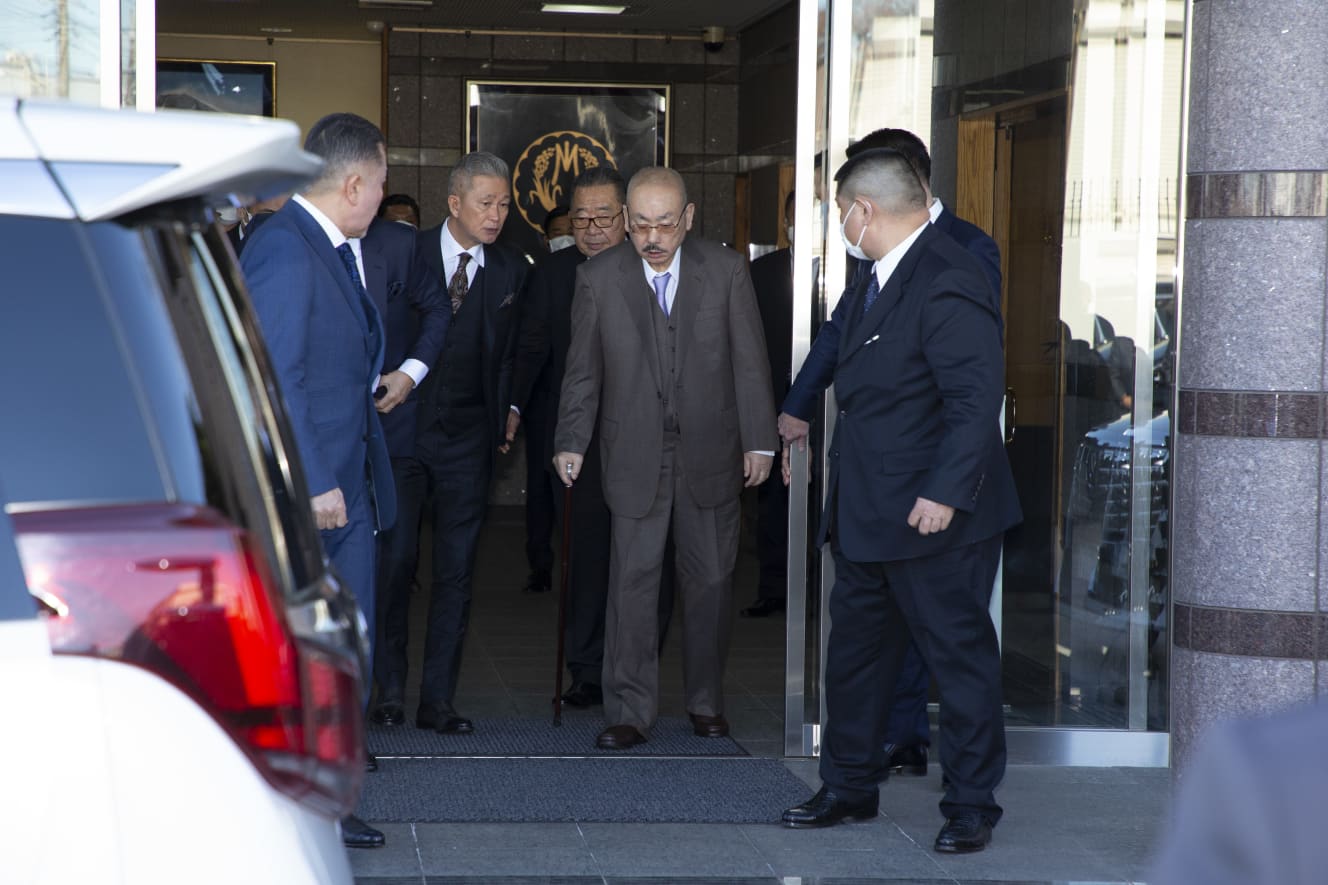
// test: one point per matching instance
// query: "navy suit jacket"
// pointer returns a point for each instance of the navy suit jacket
(415, 313)
(498, 283)
(326, 350)
(972, 238)
(919, 380)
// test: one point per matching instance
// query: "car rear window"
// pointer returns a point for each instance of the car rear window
(98, 405)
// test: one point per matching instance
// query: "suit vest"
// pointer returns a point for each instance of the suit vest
(666, 345)
(459, 388)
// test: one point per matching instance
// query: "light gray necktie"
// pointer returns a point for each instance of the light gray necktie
(661, 282)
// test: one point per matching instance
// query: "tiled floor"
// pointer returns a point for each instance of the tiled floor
(1062, 824)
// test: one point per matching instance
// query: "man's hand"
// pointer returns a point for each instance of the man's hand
(399, 385)
(793, 430)
(513, 422)
(568, 465)
(928, 517)
(329, 509)
(755, 468)
(787, 465)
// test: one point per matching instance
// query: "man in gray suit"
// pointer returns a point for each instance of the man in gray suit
(667, 353)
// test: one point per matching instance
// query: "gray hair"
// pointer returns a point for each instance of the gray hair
(658, 176)
(344, 141)
(472, 165)
(886, 177)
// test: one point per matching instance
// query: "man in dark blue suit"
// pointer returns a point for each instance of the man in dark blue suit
(461, 424)
(919, 493)
(909, 733)
(305, 275)
(416, 316)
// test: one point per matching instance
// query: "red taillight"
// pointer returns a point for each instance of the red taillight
(178, 590)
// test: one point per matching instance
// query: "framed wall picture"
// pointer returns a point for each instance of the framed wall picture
(550, 132)
(228, 87)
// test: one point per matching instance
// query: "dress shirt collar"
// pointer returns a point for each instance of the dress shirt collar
(935, 209)
(671, 270)
(333, 232)
(452, 249)
(891, 259)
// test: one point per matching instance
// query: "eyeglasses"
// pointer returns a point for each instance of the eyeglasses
(664, 229)
(600, 221)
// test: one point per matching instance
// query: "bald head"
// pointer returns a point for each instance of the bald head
(659, 177)
(658, 214)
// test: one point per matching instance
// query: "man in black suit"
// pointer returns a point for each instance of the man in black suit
(772, 277)
(908, 736)
(597, 221)
(919, 493)
(463, 410)
(416, 317)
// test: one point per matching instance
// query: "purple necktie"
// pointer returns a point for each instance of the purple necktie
(661, 282)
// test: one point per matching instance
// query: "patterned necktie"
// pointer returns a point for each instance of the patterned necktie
(348, 258)
(873, 289)
(459, 284)
(661, 282)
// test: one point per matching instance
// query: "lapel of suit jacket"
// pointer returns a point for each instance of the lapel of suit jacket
(687, 301)
(317, 238)
(888, 297)
(640, 300)
(375, 274)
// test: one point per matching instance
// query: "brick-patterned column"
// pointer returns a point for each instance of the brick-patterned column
(1249, 615)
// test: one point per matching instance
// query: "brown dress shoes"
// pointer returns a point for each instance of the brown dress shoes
(619, 737)
(709, 726)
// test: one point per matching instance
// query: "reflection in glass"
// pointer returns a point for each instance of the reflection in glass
(51, 50)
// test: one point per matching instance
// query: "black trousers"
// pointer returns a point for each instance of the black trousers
(454, 472)
(772, 498)
(540, 498)
(940, 602)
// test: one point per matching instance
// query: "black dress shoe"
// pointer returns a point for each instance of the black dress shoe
(583, 694)
(388, 712)
(906, 759)
(619, 737)
(355, 833)
(370, 762)
(826, 809)
(709, 726)
(964, 834)
(442, 718)
(763, 607)
(538, 582)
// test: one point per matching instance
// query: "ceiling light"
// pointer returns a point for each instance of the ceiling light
(584, 8)
(275, 30)
(396, 4)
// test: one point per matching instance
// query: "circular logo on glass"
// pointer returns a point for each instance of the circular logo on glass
(542, 178)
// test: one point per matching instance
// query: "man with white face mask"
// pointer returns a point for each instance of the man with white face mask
(919, 494)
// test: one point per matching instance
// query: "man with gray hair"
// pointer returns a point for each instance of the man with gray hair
(461, 424)
(306, 277)
(667, 360)
(919, 495)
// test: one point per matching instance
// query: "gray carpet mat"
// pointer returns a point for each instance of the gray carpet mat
(623, 790)
(671, 736)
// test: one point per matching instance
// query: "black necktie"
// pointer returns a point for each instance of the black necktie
(873, 289)
(460, 283)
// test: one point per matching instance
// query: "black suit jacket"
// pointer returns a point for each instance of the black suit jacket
(545, 334)
(498, 283)
(772, 278)
(415, 314)
(919, 380)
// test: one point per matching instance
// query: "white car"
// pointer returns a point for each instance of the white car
(180, 672)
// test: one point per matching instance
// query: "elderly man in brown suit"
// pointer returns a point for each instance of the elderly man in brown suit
(668, 355)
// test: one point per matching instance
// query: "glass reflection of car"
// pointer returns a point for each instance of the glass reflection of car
(1115, 465)
(203, 720)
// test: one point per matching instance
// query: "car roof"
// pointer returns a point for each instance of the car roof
(64, 160)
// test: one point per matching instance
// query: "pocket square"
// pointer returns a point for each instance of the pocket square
(507, 300)
(395, 288)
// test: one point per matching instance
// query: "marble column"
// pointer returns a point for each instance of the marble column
(1249, 619)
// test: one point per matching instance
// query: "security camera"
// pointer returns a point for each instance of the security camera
(712, 38)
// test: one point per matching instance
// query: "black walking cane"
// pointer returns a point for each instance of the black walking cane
(562, 606)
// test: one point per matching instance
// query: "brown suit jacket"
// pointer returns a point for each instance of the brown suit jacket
(722, 382)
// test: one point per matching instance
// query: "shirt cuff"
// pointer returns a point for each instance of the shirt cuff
(515, 409)
(767, 454)
(416, 370)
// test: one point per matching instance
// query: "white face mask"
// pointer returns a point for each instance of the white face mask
(789, 231)
(228, 215)
(854, 249)
(561, 242)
